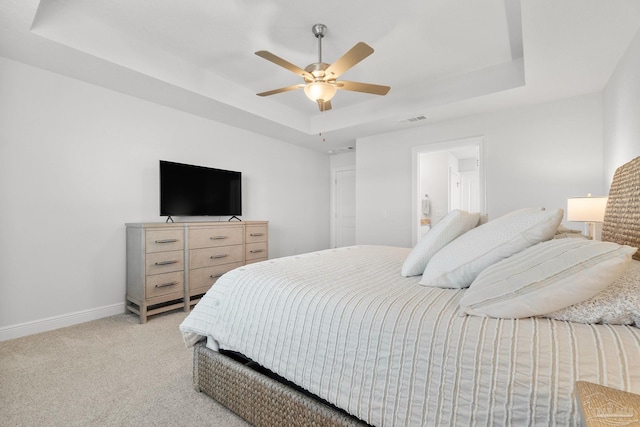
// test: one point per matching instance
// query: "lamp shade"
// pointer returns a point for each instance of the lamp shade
(319, 91)
(586, 209)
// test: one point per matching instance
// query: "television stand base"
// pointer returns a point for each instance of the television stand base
(238, 219)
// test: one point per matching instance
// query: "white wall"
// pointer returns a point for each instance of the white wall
(77, 161)
(622, 112)
(534, 156)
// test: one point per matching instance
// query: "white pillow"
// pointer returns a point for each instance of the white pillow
(444, 231)
(459, 263)
(546, 278)
(617, 304)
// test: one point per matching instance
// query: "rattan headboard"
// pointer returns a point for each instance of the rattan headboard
(622, 216)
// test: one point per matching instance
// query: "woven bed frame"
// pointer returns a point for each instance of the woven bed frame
(265, 401)
(258, 397)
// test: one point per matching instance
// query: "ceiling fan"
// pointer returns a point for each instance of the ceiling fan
(320, 83)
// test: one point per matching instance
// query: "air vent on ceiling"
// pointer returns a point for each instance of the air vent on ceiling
(415, 119)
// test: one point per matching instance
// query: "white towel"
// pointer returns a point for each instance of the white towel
(426, 206)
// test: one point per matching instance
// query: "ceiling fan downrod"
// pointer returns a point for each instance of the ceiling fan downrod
(319, 30)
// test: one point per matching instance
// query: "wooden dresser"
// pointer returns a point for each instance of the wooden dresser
(171, 265)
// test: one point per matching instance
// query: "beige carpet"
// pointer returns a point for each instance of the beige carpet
(109, 372)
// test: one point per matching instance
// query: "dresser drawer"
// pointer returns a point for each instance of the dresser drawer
(215, 236)
(201, 279)
(256, 233)
(164, 240)
(256, 251)
(165, 284)
(209, 257)
(164, 262)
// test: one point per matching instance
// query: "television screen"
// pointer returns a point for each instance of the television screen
(188, 190)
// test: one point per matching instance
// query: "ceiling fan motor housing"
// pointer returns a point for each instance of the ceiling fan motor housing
(317, 70)
(319, 30)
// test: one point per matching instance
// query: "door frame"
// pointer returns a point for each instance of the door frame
(472, 141)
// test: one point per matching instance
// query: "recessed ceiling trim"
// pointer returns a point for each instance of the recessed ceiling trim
(514, 25)
(91, 37)
(571, 48)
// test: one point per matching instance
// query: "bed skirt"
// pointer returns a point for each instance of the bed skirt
(258, 398)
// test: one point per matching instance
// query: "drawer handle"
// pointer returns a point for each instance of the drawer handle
(174, 261)
(256, 234)
(217, 276)
(164, 285)
(167, 241)
(218, 256)
(219, 237)
(256, 251)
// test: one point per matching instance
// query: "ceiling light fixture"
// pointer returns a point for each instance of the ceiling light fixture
(320, 91)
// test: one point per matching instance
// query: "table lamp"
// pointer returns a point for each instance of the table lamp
(587, 209)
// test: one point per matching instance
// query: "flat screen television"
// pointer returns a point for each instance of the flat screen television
(189, 190)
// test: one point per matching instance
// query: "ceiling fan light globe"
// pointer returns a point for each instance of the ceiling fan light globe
(319, 91)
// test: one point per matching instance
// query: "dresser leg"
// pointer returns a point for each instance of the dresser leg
(143, 312)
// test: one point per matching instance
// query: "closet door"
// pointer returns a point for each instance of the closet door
(345, 208)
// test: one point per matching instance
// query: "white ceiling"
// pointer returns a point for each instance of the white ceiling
(442, 58)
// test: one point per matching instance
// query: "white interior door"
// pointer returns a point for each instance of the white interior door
(469, 190)
(454, 190)
(345, 208)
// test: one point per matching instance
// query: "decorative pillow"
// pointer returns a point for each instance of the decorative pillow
(459, 263)
(545, 278)
(444, 231)
(617, 304)
(563, 232)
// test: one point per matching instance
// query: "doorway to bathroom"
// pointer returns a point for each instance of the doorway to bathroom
(446, 176)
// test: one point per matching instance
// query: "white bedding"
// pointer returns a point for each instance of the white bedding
(345, 325)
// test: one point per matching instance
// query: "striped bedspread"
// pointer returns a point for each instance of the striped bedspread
(345, 325)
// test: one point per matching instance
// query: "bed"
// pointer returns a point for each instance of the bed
(340, 337)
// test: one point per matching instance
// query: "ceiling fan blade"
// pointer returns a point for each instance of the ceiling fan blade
(284, 63)
(363, 87)
(324, 105)
(352, 57)
(282, 89)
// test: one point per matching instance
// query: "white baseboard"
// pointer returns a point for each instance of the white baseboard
(56, 322)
